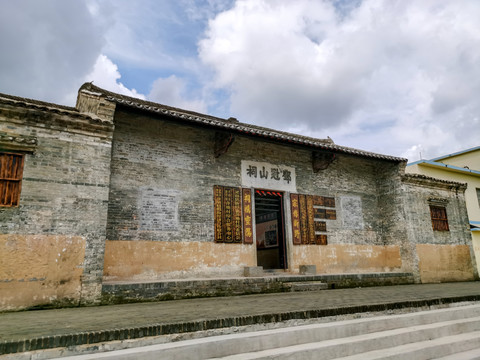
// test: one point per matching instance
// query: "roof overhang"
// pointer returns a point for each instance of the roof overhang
(446, 167)
(456, 154)
(474, 225)
(233, 126)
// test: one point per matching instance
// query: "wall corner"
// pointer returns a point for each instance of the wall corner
(94, 103)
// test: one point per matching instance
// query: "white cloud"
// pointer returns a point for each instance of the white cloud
(105, 74)
(51, 47)
(203, 10)
(391, 76)
(149, 34)
(385, 76)
(47, 47)
(172, 91)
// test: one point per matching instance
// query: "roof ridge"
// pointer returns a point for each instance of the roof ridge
(37, 102)
(232, 124)
(46, 106)
(91, 87)
(425, 177)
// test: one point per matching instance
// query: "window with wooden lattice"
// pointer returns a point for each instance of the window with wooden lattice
(439, 218)
(11, 172)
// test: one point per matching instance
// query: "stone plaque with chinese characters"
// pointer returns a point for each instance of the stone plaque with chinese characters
(268, 176)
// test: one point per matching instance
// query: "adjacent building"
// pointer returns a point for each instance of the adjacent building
(463, 167)
(122, 191)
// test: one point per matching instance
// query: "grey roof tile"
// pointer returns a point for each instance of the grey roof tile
(234, 125)
(46, 106)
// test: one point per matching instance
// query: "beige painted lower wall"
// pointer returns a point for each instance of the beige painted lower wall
(442, 263)
(341, 259)
(150, 260)
(40, 269)
(476, 248)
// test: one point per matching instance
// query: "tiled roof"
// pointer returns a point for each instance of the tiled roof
(45, 106)
(36, 102)
(420, 177)
(232, 125)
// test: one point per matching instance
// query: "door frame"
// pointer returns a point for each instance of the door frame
(282, 248)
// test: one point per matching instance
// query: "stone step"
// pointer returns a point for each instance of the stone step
(473, 354)
(330, 340)
(308, 286)
(405, 343)
(255, 282)
(467, 344)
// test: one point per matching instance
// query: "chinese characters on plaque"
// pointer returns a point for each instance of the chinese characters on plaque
(308, 218)
(297, 237)
(268, 176)
(229, 204)
(247, 216)
(228, 217)
(233, 220)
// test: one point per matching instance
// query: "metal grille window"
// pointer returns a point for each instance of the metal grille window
(11, 171)
(439, 218)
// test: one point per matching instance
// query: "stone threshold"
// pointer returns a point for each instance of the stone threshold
(175, 289)
(277, 274)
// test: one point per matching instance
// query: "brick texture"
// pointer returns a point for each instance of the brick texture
(65, 185)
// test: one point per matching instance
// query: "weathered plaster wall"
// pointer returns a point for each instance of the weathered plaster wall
(444, 173)
(392, 223)
(471, 160)
(441, 255)
(338, 259)
(64, 196)
(354, 182)
(442, 263)
(152, 260)
(40, 269)
(162, 192)
(476, 247)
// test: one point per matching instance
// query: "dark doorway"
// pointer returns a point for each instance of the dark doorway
(271, 252)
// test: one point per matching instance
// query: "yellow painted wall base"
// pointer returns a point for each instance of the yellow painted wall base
(40, 269)
(150, 260)
(340, 259)
(476, 248)
(442, 263)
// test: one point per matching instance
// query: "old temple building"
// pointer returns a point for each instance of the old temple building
(121, 198)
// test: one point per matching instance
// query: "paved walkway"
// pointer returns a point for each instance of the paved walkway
(43, 329)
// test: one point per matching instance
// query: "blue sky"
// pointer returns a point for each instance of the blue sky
(399, 77)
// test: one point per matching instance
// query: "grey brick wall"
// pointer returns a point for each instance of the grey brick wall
(65, 182)
(163, 176)
(417, 193)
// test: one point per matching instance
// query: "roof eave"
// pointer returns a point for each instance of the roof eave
(234, 126)
(446, 167)
(272, 135)
(456, 154)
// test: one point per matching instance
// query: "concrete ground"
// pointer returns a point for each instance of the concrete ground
(44, 329)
